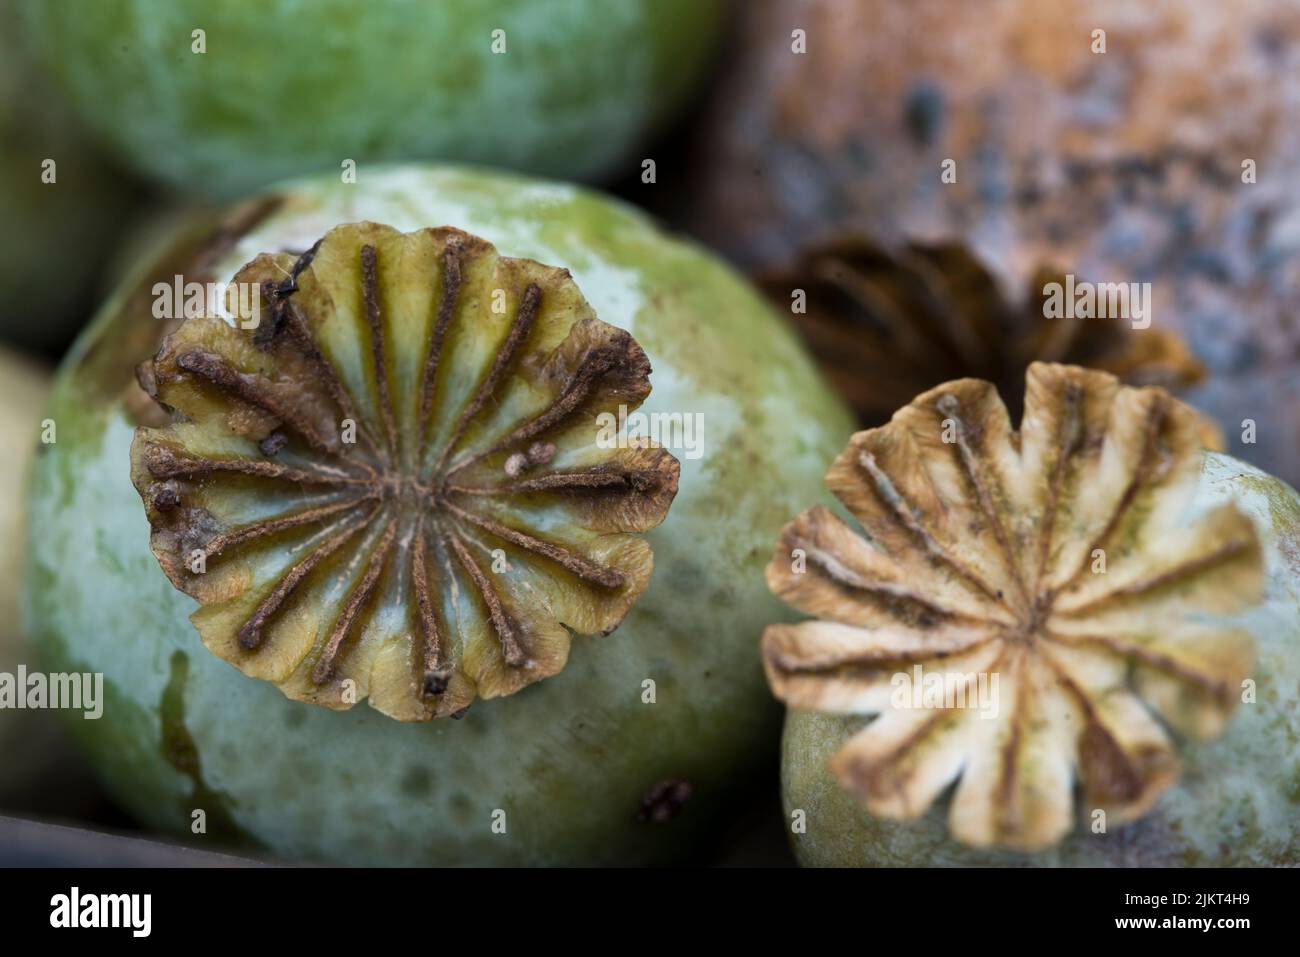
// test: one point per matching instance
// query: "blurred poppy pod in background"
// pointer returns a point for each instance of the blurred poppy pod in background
(1113, 142)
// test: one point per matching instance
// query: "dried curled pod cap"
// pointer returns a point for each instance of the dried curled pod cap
(1056, 567)
(888, 323)
(387, 482)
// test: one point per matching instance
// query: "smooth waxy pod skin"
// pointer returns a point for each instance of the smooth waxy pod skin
(568, 760)
(566, 88)
(1135, 598)
(30, 739)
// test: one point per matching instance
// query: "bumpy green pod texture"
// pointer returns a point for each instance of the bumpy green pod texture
(279, 88)
(1236, 803)
(634, 752)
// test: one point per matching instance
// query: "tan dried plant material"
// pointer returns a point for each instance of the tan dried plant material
(1059, 559)
(887, 324)
(392, 486)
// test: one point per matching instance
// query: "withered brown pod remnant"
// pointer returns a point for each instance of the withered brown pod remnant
(888, 324)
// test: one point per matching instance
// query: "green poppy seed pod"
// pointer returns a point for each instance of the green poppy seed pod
(391, 493)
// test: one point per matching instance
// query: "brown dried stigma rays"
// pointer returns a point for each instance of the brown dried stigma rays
(888, 323)
(1059, 558)
(392, 487)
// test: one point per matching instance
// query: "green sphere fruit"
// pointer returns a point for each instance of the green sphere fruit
(61, 202)
(275, 88)
(1237, 802)
(629, 754)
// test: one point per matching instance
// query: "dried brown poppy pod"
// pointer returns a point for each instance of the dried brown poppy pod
(346, 481)
(1026, 614)
(888, 325)
(1122, 142)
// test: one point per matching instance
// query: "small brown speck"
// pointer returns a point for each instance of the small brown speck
(539, 453)
(273, 443)
(166, 499)
(663, 801)
(516, 464)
